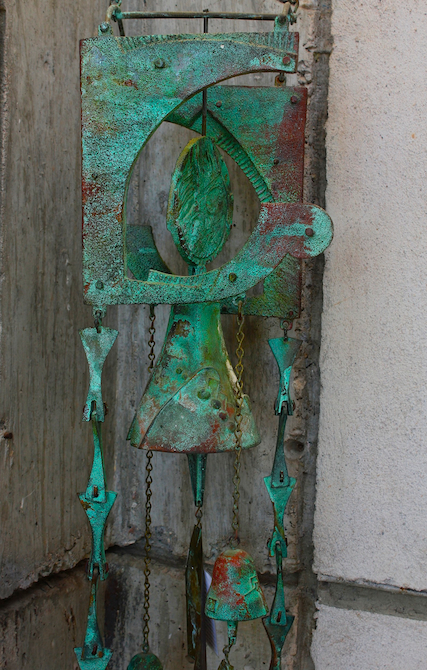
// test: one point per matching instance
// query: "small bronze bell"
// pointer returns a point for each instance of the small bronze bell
(235, 593)
(145, 661)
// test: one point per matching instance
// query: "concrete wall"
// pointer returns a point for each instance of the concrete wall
(370, 523)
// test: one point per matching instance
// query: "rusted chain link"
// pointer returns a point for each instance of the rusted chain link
(238, 419)
(148, 494)
(290, 9)
(199, 515)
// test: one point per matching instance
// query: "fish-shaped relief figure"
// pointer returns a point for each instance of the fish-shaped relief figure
(189, 404)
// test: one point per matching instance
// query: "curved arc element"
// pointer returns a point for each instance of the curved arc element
(118, 117)
(234, 149)
(281, 230)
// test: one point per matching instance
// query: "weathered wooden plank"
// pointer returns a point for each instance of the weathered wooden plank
(43, 369)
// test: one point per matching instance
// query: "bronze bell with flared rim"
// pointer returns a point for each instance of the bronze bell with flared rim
(235, 593)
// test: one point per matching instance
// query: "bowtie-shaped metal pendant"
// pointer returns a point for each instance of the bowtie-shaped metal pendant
(97, 346)
(93, 655)
(279, 484)
(285, 351)
(97, 503)
(278, 622)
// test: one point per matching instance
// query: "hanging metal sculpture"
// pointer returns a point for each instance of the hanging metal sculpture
(194, 401)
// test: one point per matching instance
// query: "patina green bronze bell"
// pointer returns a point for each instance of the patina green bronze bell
(145, 661)
(189, 404)
(235, 593)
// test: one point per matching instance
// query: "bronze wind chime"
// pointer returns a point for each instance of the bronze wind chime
(194, 402)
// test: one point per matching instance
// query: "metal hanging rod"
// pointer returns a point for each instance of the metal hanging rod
(118, 15)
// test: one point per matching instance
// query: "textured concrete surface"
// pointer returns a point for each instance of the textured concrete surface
(354, 640)
(370, 523)
(40, 627)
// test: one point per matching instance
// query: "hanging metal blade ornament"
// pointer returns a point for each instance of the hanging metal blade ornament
(279, 486)
(97, 344)
(93, 655)
(96, 501)
(278, 623)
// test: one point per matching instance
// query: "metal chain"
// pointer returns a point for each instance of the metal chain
(238, 419)
(151, 342)
(148, 494)
(199, 515)
(285, 326)
(290, 9)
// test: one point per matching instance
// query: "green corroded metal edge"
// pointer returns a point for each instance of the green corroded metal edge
(93, 663)
(141, 252)
(282, 288)
(132, 108)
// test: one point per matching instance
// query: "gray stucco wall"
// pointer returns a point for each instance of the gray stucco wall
(370, 524)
